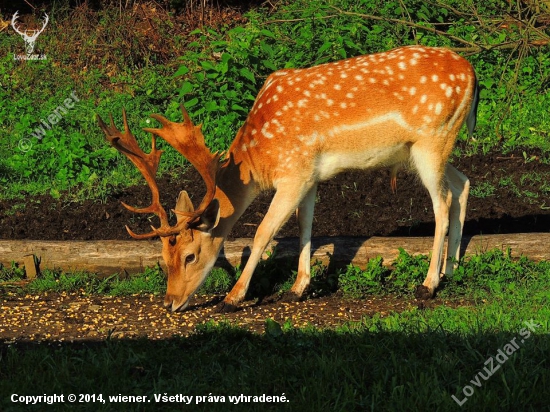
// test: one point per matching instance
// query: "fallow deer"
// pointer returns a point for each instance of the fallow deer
(403, 107)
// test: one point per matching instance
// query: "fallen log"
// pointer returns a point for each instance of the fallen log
(106, 257)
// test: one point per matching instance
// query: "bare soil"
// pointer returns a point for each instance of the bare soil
(75, 317)
(351, 204)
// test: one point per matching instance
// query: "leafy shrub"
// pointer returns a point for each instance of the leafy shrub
(355, 282)
(409, 272)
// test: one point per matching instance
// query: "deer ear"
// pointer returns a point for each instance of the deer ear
(183, 204)
(209, 219)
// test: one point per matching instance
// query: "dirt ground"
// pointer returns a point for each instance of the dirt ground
(352, 204)
(62, 317)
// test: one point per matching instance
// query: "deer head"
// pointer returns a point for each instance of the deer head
(183, 242)
(29, 39)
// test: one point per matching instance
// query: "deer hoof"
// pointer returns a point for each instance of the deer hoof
(423, 293)
(225, 307)
(290, 297)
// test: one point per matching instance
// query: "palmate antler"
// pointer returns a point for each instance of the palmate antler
(186, 139)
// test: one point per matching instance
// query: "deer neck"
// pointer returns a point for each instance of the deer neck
(235, 190)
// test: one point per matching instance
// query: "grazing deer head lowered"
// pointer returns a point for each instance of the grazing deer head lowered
(403, 107)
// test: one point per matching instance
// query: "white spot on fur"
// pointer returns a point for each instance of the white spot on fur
(337, 87)
(438, 108)
(423, 98)
(449, 91)
(423, 79)
(265, 132)
(402, 65)
(435, 77)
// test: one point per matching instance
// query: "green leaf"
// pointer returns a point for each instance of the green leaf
(268, 33)
(191, 103)
(208, 65)
(326, 45)
(186, 87)
(183, 70)
(266, 48)
(211, 106)
(247, 74)
(269, 64)
(272, 328)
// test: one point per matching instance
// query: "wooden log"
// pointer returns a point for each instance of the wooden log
(109, 256)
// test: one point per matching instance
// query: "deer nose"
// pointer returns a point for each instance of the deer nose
(174, 304)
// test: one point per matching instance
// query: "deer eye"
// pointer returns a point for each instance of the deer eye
(190, 258)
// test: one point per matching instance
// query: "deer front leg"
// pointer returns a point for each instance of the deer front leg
(286, 200)
(304, 213)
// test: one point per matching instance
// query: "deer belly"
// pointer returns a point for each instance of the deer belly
(330, 164)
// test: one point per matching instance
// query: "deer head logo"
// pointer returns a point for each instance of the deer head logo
(29, 39)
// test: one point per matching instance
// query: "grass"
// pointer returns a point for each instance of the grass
(414, 360)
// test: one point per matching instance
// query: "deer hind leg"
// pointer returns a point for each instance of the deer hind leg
(286, 200)
(459, 185)
(304, 213)
(431, 169)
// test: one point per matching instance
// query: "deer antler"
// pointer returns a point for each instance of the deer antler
(13, 20)
(125, 142)
(35, 32)
(44, 25)
(189, 141)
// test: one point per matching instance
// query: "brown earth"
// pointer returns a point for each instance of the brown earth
(75, 317)
(352, 204)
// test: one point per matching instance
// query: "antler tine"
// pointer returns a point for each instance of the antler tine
(126, 143)
(188, 140)
(13, 20)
